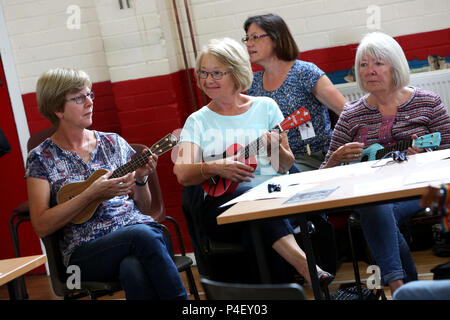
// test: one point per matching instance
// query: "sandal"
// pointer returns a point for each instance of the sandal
(325, 278)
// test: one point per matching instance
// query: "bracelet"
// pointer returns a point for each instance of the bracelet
(201, 170)
(141, 184)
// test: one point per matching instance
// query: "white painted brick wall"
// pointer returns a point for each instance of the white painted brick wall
(118, 45)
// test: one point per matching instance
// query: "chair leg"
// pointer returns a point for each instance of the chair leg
(379, 292)
(354, 259)
(192, 285)
(14, 228)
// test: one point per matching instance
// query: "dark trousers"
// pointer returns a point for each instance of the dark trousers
(138, 256)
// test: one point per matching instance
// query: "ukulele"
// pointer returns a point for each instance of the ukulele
(71, 190)
(217, 185)
(376, 151)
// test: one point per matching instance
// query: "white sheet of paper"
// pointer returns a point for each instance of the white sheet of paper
(289, 187)
(306, 130)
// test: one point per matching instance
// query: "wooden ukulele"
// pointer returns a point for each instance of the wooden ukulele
(217, 185)
(71, 190)
(376, 151)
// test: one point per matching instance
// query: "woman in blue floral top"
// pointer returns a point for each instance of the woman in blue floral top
(292, 84)
(118, 242)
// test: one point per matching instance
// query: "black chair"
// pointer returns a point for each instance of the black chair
(21, 213)
(158, 212)
(93, 289)
(216, 290)
(58, 275)
(220, 261)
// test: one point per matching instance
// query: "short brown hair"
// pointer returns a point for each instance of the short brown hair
(233, 56)
(52, 88)
(286, 48)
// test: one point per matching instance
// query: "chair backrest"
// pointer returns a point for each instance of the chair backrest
(39, 136)
(158, 210)
(216, 290)
(59, 276)
(221, 261)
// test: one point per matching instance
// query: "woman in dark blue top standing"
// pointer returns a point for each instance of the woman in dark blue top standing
(292, 83)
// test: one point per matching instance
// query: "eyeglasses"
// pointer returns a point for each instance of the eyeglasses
(216, 75)
(254, 37)
(82, 98)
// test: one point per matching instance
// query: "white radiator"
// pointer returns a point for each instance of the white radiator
(437, 81)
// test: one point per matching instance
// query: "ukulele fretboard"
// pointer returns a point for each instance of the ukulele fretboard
(400, 146)
(255, 146)
(132, 165)
(162, 146)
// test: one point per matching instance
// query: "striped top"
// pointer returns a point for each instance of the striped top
(422, 114)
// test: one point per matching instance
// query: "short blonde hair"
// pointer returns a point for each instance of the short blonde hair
(234, 57)
(52, 88)
(382, 46)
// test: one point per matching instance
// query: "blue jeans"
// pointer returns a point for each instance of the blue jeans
(424, 290)
(138, 256)
(387, 244)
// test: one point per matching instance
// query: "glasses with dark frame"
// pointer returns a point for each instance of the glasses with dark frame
(82, 98)
(254, 37)
(216, 75)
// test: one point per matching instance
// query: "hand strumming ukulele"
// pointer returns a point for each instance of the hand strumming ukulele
(217, 185)
(71, 190)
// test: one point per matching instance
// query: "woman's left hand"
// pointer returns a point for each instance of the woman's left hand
(146, 169)
(414, 149)
(270, 138)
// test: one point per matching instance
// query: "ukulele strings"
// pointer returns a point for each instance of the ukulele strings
(162, 146)
(400, 146)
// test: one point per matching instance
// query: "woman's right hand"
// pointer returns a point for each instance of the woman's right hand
(104, 187)
(232, 169)
(349, 152)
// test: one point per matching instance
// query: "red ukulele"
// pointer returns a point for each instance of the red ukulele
(217, 185)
